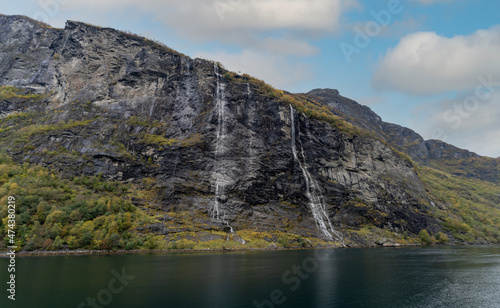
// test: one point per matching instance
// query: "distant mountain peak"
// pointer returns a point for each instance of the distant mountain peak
(324, 92)
(214, 150)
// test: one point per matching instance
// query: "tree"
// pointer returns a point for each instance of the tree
(86, 239)
(57, 244)
(441, 237)
(13, 189)
(425, 238)
(47, 244)
(73, 243)
(75, 215)
(127, 221)
(41, 211)
(88, 226)
(37, 228)
(55, 230)
(113, 227)
(57, 216)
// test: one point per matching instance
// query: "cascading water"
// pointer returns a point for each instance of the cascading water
(313, 193)
(221, 178)
(220, 105)
(251, 112)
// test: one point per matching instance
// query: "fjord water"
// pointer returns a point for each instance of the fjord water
(463, 276)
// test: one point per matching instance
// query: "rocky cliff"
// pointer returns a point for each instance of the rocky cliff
(217, 151)
(427, 152)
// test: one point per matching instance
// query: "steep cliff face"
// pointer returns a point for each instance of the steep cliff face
(25, 50)
(433, 153)
(205, 142)
(401, 137)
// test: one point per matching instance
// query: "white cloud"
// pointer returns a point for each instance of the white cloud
(426, 63)
(278, 25)
(278, 71)
(463, 122)
(285, 45)
(267, 33)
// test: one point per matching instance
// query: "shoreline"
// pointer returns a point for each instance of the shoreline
(136, 251)
(117, 252)
(121, 252)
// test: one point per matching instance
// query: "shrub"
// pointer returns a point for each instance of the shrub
(131, 245)
(57, 244)
(47, 244)
(425, 238)
(441, 237)
(56, 212)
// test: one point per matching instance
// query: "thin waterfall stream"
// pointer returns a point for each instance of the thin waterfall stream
(313, 192)
(220, 133)
(221, 179)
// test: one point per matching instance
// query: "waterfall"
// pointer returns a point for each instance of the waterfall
(236, 237)
(313, 192)
(152, 109)
(220, 104)
(221, 178)
(252, 114)
(294, 149)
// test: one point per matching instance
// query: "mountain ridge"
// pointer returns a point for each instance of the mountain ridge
(427, 152)
(220, 157)
(407, 135)
(462, 153)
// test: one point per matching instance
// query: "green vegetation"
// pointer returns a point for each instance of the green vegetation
(425, 238)
(253, 239)
(55, 213)
(300, 102)
(135, 121)
(441, 238)
(374, 234)
(474, 211)
(308, 106)
(472, 206)
(9, 92)
(311, 108)
(35, 21)
(474, 214)
(148, 41)
(483, 168)
(88, 212)
(159, 140)
(24, 134)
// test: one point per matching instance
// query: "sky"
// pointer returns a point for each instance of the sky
(430, 65)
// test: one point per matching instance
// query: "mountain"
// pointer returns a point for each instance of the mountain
(116, 141)
(433, 153)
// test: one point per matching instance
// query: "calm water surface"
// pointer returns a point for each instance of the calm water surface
(466, 276)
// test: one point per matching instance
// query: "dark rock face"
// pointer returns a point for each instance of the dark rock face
(25, 51)
(135, 110)
(402, 138)
(426, 152)
(349, 110)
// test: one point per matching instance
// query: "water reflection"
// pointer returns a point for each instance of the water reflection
(390, 277)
